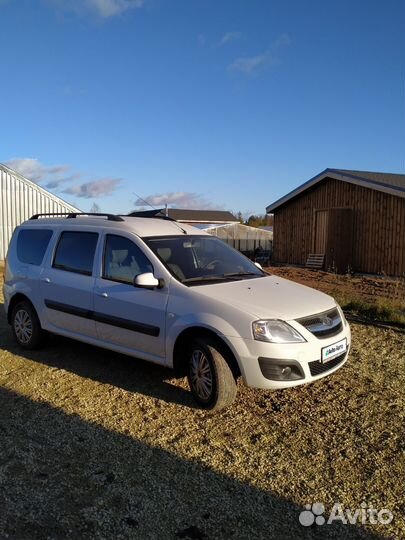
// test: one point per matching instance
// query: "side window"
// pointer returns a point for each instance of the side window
(32, 244)
(75, 252)
(123, 260)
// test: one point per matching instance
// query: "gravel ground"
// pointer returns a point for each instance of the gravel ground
(97, 445)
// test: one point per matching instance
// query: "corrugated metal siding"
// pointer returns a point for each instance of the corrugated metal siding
(19, 200)
(243, 237)
(378, 240)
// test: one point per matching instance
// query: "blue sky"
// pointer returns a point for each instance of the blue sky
(200, 103)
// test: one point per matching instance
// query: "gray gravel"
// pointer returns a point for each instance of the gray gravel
(97, 445)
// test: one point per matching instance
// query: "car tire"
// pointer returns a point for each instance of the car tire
(210, 377)
(26, 327)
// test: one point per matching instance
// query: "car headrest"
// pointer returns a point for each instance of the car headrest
(164, 253)
(119, 255)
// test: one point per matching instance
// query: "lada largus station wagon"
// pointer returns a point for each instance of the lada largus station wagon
(169, 293)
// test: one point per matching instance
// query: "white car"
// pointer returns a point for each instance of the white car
(171, 294)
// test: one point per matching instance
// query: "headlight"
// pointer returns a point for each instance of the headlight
(342, 315)
(276, 331)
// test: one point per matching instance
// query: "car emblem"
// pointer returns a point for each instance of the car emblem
(327, 321)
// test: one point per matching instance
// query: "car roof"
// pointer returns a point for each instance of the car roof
(143, 227)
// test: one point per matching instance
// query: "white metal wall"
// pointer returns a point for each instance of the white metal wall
(19, 200)
(243, 237)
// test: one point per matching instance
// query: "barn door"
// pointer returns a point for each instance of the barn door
(321, 231)
(340, 236)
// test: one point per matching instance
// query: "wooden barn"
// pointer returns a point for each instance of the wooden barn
(343, 220)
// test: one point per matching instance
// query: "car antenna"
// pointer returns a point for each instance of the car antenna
(166, 212)
(143, 200)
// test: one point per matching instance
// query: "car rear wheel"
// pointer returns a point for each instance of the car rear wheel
(26, 326)
(211, 380)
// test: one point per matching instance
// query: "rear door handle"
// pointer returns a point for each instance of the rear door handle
(102, 294)
(46, 280)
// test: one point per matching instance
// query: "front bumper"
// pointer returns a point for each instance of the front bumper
(258, 360)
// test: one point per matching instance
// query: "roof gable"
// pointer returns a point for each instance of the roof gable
(393, 184)
(191, 216)
(32, 185)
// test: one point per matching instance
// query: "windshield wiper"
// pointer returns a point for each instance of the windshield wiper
(204, 278)
(241, 274)
(221, 277)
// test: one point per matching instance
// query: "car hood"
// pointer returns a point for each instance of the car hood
(269, 297)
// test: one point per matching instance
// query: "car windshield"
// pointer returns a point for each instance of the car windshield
(196, 260)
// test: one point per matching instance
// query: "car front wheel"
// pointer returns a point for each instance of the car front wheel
(211, 380)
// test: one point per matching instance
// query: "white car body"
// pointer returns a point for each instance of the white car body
(147, 322)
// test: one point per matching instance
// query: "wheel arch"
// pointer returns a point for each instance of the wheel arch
(199, 332)
(18, 297)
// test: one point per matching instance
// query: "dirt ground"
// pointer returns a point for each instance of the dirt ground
(96, 445)
(368, 288)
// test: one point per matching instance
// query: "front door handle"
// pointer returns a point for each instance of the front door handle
(46, 280)
(102, 294)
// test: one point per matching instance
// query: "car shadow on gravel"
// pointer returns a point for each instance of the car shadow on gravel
(62, 477)
(107, 367)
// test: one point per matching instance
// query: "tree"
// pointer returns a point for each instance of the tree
(260, 220)
(95, 209)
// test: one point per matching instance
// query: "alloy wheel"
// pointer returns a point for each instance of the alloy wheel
(201, 376)
(23, 326)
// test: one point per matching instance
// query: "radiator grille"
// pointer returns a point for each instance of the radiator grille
(323, 325)
(316, 368)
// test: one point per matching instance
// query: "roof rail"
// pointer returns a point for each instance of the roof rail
(151, 216)
(71, 215)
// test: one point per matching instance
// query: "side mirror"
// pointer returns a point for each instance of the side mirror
(259, 265)
(148, 281)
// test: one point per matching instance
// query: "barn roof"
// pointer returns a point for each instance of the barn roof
(190, 216)
(394, 184)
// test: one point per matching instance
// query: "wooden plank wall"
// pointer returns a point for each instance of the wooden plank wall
(378, 226)
(339, 252)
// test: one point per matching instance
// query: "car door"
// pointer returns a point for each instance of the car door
(126, 315)
(67, 284)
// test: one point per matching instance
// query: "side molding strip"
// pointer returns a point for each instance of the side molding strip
(135, 326)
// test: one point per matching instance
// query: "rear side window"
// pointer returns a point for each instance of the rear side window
(75, 252)
(32, 244)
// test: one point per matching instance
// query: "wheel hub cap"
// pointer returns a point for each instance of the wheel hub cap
(23, 326)
(201, 375)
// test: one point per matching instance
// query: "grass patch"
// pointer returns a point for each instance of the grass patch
(382, 309)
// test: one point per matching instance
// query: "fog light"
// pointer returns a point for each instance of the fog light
(286, 372)
(281, 370)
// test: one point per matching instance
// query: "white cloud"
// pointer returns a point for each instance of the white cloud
(283, 41)
(229, 37)
(101, 8)
(250, 64)
(95, 188)
(178, 199)
(109, 8)
(52, 177)
(36, 171)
